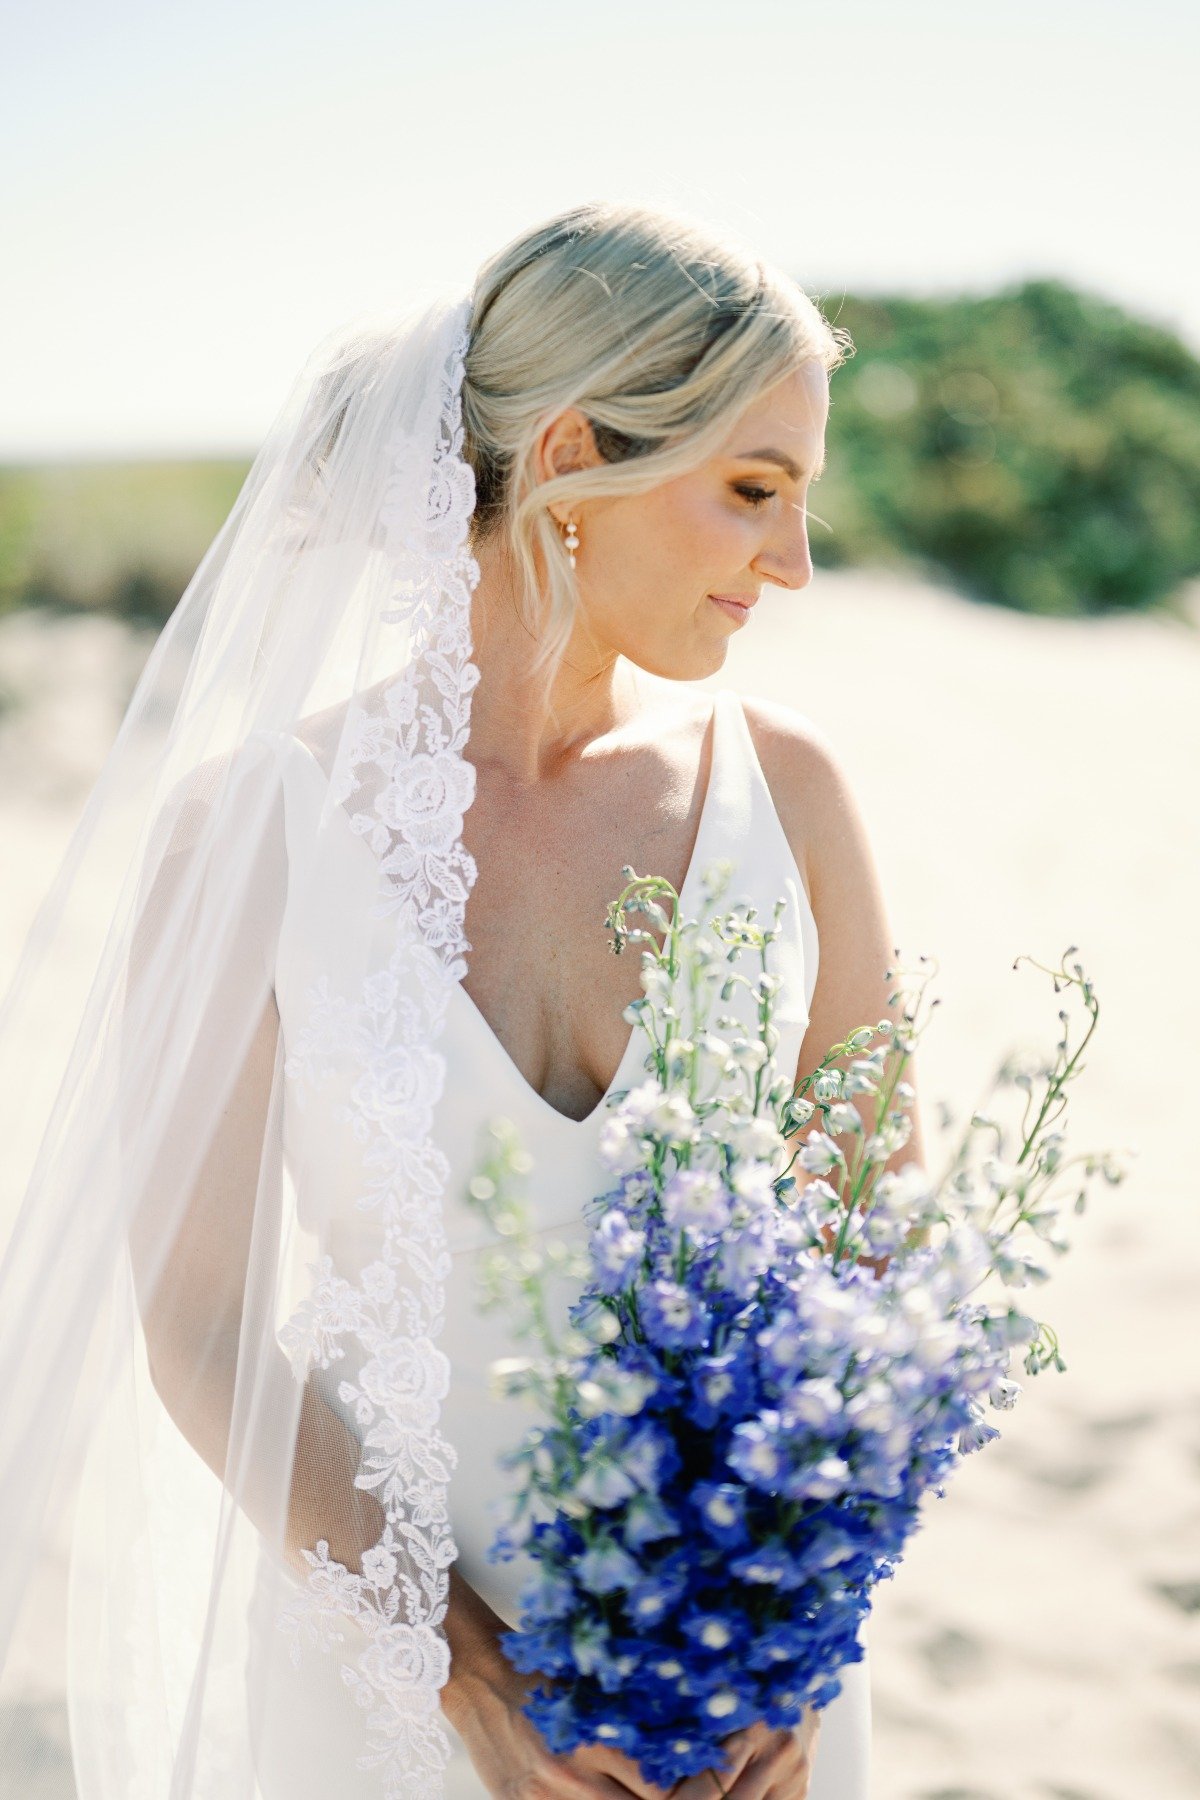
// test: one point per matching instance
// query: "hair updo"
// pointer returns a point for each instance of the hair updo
(658, 328)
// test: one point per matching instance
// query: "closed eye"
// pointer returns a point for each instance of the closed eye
(755, 495)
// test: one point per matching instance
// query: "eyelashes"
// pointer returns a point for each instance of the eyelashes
(755, 495)
(758, 496)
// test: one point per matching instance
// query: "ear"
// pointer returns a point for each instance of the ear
(566, 444)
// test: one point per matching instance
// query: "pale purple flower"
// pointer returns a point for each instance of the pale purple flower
(697, 1202)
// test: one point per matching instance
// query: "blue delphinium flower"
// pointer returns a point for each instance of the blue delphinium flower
(606, 1566)
(672, 1316)
(756, 1452)
(647, 1520)
(617, 1248)
(721, 1506)
(655, 1594)
(723, 1385)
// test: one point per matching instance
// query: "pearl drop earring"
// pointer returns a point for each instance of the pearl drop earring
(572, 540)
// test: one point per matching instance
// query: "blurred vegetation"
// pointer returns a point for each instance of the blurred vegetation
(118, 537)
(1038, 448)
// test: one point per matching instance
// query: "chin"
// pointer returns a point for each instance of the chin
(696, 667)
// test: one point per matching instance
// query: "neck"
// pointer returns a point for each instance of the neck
(528, 722)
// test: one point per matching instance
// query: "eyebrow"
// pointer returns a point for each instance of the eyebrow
(777, 456)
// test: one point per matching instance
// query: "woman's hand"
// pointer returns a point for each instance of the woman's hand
(763, 1762)
(513, 1760)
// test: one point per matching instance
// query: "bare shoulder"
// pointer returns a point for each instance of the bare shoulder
(810, 786)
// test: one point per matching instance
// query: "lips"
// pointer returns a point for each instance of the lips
(737, 609)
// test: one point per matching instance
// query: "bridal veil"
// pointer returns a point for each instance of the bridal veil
(171, 1315)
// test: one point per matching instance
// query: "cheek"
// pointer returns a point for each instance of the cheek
(701, 532)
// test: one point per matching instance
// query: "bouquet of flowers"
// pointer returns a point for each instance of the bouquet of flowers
(778, 1349)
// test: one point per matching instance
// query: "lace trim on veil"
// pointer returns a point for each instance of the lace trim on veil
(411, 747)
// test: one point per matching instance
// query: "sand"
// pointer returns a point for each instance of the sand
(1027, 785)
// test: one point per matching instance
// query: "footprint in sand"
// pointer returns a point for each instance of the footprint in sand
(954, 1658)
(1182, 1594)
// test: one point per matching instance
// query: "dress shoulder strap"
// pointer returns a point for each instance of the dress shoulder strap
(753, 832)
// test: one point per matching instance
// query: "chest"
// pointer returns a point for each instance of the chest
(541, 970)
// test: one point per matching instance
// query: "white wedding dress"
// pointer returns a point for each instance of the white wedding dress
(308, 1731)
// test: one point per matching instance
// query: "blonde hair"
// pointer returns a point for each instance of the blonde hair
(660, 330)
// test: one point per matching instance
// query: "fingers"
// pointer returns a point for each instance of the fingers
(623, 1774)
(790, 1771)
(627, 1770)
(763, 1765)
(617, 1790)
(708, 1783)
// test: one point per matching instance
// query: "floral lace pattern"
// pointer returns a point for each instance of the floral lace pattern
(393, 1309)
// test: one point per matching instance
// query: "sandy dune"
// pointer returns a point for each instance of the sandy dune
(1029, 785)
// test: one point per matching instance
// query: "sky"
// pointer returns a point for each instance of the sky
(192, 197)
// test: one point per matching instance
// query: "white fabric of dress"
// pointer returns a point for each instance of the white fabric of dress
(308, 1729)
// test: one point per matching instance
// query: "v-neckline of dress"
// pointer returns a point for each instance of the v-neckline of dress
(515, 1075)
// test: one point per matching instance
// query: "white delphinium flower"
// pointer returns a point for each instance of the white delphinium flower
(862, 1077)
(597, 1323)
(655, 981)
(1044, 1222)
(903, 1193)
(760, 1138)
(613, 1390)
(794, 1232)
(1050, 1150)
(816, 1403)
(1008, 1325)
(843, 1117)
(798, 1112)
(868, 1332)
(873, 1408)
(754, 1184)
(619, 1147)
(1003, 1393)
(978, 1433)
(899, 1335)
(883, 1235)
(821, 1198)
(1006, 1177)
(672, 1119)
(937, 1344)
(508, 1376)
(819, 1154)
(1016, 1267)
(828, 1307)
(967, 1255)
(890, 1136)
(748, 1054)
(828, 1085)
(712, 1053)
(1020, 1327)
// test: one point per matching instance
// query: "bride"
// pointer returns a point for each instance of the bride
(427, 694)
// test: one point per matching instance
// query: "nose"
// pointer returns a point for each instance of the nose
(786, 560)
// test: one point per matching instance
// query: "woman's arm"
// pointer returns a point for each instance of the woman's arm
(824, 826)
(201, 1056)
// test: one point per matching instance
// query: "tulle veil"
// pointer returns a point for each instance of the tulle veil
(181, 1315)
